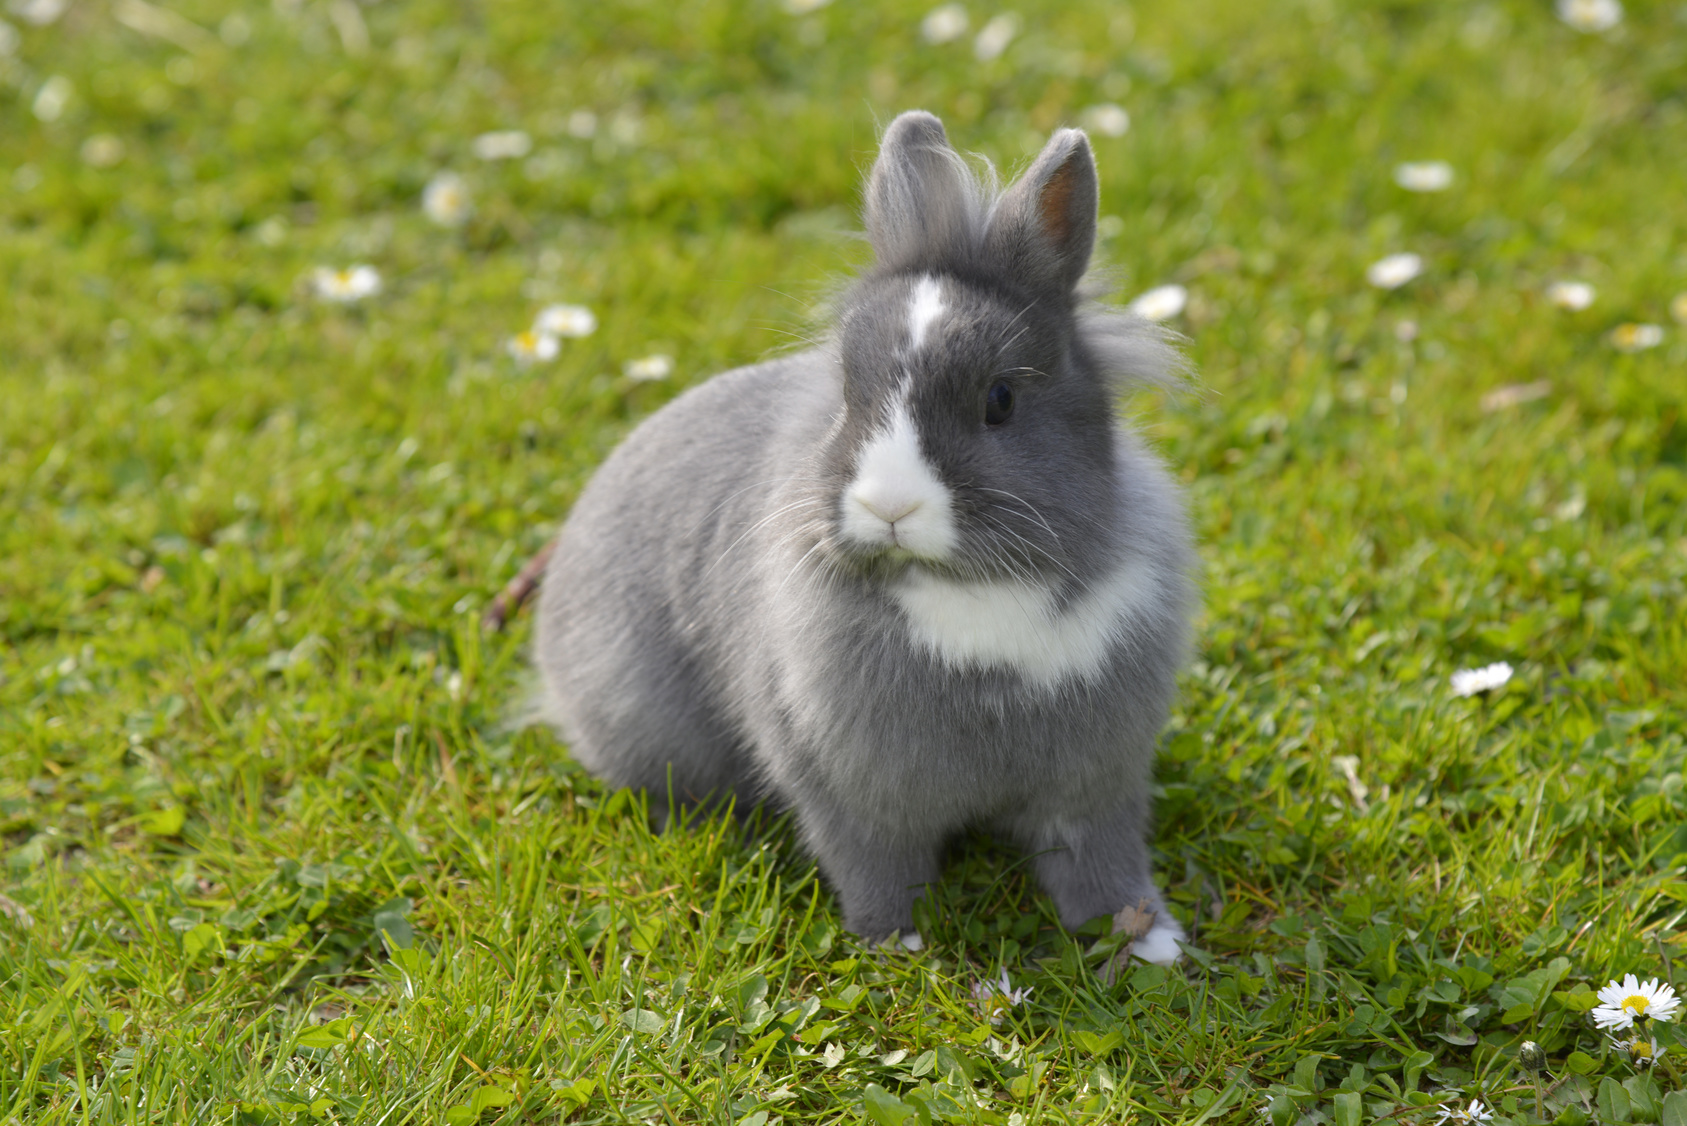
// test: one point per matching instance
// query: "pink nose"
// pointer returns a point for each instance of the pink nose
(888, 511)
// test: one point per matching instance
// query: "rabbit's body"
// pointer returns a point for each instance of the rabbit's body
(830, 581)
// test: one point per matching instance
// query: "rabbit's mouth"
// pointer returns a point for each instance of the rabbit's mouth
(892, 563)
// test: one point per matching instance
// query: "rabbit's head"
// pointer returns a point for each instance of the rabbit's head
(978, 433)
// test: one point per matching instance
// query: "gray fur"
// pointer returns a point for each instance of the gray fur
(705, 630)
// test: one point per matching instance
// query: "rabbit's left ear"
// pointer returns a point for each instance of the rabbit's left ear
(1043, 228)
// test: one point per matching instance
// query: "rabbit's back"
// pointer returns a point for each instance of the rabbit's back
(626, 655)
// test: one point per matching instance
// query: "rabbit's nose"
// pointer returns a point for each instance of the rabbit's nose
(890, 510)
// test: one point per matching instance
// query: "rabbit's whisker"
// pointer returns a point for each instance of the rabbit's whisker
(759, 524)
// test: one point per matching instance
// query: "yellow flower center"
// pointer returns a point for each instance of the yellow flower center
(528, 342)
(1636, 1004)
(1640, 1049)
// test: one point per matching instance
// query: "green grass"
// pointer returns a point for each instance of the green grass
(247, 721)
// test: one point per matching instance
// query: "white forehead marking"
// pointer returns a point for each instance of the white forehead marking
(1012, 623)
(896, 498)
(923, 308)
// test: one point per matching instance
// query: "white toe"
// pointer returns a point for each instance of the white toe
(1159, 945)
(913, 941)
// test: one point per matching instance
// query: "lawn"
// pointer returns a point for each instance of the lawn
(277, 847)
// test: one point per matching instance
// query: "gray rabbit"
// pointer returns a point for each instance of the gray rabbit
(915, 580)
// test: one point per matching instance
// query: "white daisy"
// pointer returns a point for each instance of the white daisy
(1591, 15)
(446, 200)
(1572, 295)
(945, 23)
(1107, 119)
(1515, 394)
(533, 347)
(38, 13)
(353, 283)
(1468, 682)
(1471, 1115)
(995, 36)
(650, 368)
(1636, 337)
(1622, 1003)
(565, 320)
(1161, 303)
(995, 998)
(1394, 271)
(505, 144)
(50, 100)
(1642, 1051)
(102, 150)
(1678, 308)
(582, 123)
(1424, 175)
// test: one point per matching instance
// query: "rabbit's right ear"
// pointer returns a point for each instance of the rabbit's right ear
(920, 199)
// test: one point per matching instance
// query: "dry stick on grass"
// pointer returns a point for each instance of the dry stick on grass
(509, 600)
(1135, 921)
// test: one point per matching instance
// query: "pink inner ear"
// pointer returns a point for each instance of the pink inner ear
(1055, 205)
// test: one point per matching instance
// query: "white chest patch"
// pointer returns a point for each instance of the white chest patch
(897, 499)
(1014, 624)
(924, 308)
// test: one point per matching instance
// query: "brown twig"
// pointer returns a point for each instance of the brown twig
(517, 591)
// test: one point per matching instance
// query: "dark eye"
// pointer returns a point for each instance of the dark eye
(998, 404)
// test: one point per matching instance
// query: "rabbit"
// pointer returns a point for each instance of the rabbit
(915, 580)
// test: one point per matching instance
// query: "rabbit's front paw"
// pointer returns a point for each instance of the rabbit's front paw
(907, 940)
(1159, 945)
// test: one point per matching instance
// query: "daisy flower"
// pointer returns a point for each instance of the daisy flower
(533, 347)
(505, 144)
(38, 13)
(1513, 394)
(1622, 1003)
(1107, 119)
(945, 23)
(1468, 682)
(1642, 1051)
(1161, 303)
(102, 150)
(1572, 295)
(1471, 1115)
(650, 369)
(353, 283)
(995, 36)
(51, 99)
(582, 123)
(1394, 271)
(565, 320)
(1636, 337)
(1424, 175)
(446, 200)
(1591, 15)
(994, 998)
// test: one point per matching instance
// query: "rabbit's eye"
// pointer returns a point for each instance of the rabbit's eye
(998, 404)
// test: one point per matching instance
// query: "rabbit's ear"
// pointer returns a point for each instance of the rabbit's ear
(921, 199)
(1043, 229)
